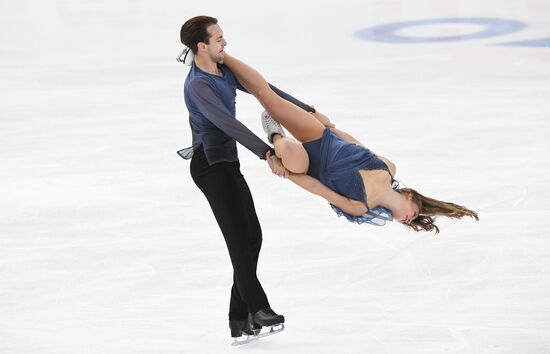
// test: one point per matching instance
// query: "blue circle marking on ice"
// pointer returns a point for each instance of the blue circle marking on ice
(492, 27)
(533, 43)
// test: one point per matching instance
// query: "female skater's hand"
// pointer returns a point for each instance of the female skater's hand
(356, 208)
(323, 119)
(276, 165)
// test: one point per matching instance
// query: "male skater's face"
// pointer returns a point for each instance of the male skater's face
(217, 43)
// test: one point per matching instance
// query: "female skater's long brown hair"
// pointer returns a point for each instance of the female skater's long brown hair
(429, 208)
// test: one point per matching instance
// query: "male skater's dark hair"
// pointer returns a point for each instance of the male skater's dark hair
(194, 31)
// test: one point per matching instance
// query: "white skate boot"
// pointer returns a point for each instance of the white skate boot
(271, 126)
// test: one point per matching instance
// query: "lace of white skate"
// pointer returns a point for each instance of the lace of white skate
(271, 126)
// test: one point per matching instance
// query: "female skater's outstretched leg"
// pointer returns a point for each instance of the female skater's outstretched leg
(301, 124)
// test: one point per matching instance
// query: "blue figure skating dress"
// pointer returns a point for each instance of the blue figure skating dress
(336, 163)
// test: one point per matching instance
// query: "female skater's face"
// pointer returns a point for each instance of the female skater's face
(216, 44)
(407, 211)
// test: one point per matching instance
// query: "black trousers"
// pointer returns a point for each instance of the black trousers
(229, 196)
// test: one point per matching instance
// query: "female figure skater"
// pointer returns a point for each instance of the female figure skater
(332, 164)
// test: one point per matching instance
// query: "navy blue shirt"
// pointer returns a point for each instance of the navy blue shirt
(210, 100)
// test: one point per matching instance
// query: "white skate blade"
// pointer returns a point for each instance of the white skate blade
(250, 338)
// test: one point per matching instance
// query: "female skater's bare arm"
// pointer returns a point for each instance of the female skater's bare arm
(350, 139)
(323, 119)
(347, 137)
(313, 185)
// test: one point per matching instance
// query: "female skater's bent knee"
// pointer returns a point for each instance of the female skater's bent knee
(292, 155)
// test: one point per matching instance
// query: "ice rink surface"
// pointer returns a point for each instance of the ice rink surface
(107, 246)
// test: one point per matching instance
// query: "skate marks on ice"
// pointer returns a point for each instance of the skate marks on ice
(258, 335)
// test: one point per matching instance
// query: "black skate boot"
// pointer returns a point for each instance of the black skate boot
(236, 327)
(251, 328)
(268, 318)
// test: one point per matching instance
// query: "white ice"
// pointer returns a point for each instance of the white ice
(107, 246)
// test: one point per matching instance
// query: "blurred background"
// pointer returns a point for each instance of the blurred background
(107, 246)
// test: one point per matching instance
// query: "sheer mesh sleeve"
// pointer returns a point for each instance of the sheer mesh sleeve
(375, 216)
(213, 109)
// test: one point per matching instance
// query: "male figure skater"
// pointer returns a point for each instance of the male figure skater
(210, 90)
